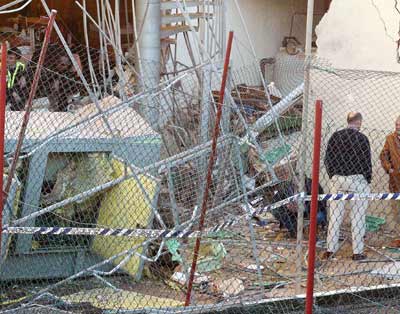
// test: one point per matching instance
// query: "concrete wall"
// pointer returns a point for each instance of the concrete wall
(268, 21)
(365, 43)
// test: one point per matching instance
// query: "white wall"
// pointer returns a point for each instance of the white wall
(268, 21)
(360, 43)
(353, 35)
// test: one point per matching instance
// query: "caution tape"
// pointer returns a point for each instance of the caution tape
(209, 232)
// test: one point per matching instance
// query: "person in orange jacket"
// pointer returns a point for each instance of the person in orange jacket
(390, 160)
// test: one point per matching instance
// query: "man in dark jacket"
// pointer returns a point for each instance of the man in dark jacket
(348, 163)
(287, 214)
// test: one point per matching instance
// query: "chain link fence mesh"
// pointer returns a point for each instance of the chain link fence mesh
(356, 258)
(103, 211)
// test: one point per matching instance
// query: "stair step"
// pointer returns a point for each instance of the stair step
(170, 30)
(171, 5)
(179, 17)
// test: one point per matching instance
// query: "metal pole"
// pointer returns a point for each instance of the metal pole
(28, 106)
(303, 156)
(3, 96)
(314, 207)
(309, 29)
(148, 14)
(211, 162)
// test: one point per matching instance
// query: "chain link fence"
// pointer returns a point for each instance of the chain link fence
(356, 258)
(103, 211)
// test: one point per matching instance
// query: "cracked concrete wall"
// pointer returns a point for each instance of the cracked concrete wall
(360, 34)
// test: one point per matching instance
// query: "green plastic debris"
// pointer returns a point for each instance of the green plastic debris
(393, 249)
(374, 223)
(286, 124)
(173, 246)
(273, 156)
(210, 255)
(214, 261)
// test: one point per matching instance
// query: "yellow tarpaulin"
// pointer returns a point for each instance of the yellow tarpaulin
(124, 206)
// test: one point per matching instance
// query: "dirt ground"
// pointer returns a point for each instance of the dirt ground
(276, 255)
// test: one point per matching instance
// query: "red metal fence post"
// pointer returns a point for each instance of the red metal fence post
(211, 162)
(314, 207)
(28, 106)
(3, 96)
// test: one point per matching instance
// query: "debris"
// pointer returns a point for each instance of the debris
(82, 173)
(120, 210)
(210, 255)
(260, 222)
(374, 223)
(271, 285)
(109, 299)
(250, 183)
(229, 288)
(395, 244)
(181, 278)
(285, 104)
(254, 267)
(173, 246)
(275, 155)
(274, 91)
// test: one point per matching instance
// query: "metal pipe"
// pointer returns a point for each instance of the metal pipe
(148, 14)
(28, 106)
(213, 156)
(93, 78)
(11, 4)
(303, 157)
(314, 207)
(3, 100)
(16, 9)
(309, 27)
(271, 116)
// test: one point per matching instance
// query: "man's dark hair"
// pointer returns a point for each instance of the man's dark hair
(353, 117)
(15, 51)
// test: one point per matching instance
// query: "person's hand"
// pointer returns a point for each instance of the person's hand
(391, 171)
